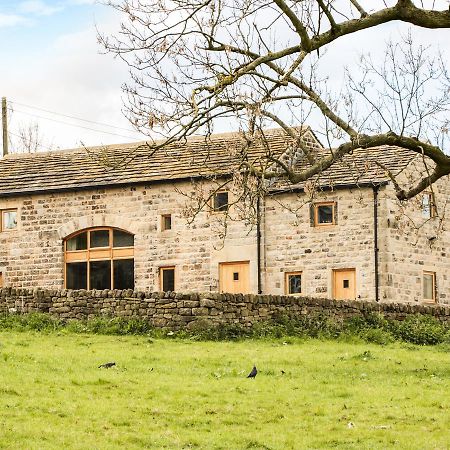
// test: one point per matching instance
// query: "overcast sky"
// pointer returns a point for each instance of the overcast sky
(50, 60)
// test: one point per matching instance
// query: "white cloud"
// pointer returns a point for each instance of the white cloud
(38, 8)
(11, 20)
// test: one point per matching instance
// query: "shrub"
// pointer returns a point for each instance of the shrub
(419, 329)
(373, 328)
(315, 326)
(377, 336)
(30, 322)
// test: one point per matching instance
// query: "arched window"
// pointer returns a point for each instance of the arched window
(99, 258)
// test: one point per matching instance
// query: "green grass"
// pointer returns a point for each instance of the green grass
(181, 394)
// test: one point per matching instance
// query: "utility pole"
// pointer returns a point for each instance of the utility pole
(5, 126)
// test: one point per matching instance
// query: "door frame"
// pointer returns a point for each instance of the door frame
(230, 263)
(333, 280)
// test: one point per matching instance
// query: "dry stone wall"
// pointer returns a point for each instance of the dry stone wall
(186, 310)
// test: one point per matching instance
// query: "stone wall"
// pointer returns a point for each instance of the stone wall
(185, 310)
(414, 244)
(32, 255)
(291, 244)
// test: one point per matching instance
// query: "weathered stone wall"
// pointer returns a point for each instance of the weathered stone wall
(413, 244)
(33, 254)
(186, 310)
(292, 244)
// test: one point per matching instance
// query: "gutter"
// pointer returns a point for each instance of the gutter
(327, 188)
(258, 242)
(106, 184)
(376, 250)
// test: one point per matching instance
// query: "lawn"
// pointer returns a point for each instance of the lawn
(181, 394)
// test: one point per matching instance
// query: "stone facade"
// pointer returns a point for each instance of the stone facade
(291, 244)
(413, 244)
(33, 256)
(57, 194)
(188, 310)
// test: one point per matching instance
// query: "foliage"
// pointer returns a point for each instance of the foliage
(30, 322)
(422, 330)
(373, 328)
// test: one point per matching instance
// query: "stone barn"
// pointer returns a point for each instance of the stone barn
(117, 217)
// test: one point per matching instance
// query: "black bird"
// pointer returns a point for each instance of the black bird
(253, 373)
(106, 365)
(282, 372)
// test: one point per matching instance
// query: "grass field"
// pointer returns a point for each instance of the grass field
(180, 394)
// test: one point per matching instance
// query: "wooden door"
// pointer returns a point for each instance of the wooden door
(1, 279)
(234, 277)
(344, 284)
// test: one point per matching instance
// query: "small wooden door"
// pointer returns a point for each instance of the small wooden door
(1, 279)
(234, 277)
(344, 284)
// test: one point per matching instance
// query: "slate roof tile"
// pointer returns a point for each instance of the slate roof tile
(124, 164)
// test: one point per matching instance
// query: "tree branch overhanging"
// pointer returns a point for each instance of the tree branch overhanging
(194, 62)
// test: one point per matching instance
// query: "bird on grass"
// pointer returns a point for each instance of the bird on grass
(253, 373)
(107, 365)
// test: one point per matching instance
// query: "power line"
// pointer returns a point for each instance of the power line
(71, 117)
(74, 125)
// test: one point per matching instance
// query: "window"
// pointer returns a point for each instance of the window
(166, 222)
(293, 283)
(8, 220)
(167, 278)
(220, 201)
(428, 205)
(99, 258)
(324, 214)
(429, 286)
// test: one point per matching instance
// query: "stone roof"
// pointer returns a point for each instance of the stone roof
(125, 164)
(362, 167)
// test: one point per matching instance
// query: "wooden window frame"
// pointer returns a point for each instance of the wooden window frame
(213, 202)
(316, 214)
(286, 282)
(2, 220)
(109, 253)
(431, 205)
(433, 279)
(163, 223)
(162, 269)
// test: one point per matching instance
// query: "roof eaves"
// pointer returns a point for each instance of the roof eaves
(102, 185)
(336, 186)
